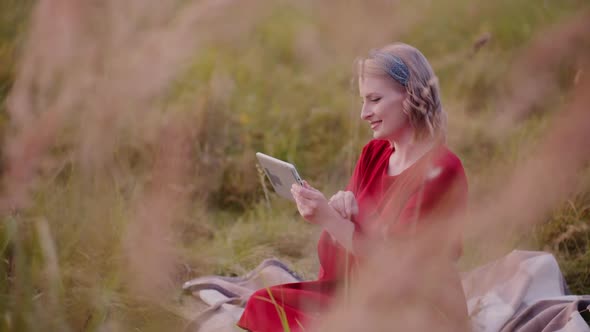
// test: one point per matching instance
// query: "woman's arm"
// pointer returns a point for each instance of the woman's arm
(314, 207)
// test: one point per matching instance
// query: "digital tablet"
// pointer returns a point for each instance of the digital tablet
(281, 174)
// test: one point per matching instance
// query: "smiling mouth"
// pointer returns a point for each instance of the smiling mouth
(375, 124)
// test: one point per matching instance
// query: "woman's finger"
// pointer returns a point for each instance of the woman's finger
(334, 197)
(337, 205)
(308, 193)
(346, 206)
(351, 204)
(307, 186)
(307, 208)
(301, 200)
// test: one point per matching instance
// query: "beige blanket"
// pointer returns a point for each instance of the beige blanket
(523, 291)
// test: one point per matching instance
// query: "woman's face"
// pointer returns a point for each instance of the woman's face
(382, 107)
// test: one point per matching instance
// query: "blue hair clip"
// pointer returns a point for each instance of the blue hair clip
(395, 67)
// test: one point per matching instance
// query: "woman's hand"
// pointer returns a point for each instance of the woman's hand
(345, 204)
(316, 209)
(313, 205)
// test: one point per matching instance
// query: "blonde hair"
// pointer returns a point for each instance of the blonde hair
(422, 103)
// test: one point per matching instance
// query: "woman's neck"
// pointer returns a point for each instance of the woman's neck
(407, 152)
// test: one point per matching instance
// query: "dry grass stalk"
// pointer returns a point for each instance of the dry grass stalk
(150, 240)
(533, 77)
(98, 72)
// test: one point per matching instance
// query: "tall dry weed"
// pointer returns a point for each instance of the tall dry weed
(93, 149)
(525, 195)
(97, 68)
(110, 168)
(151, 243)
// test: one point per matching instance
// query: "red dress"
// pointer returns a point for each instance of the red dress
(391, 204)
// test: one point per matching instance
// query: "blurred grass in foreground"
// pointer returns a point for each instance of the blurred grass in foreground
(138, 140)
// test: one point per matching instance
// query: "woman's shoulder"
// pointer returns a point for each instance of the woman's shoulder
(376, 147)
(448, 164)
(450, 159)
(374, 151)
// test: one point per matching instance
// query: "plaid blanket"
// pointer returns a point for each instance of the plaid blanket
(523, 291)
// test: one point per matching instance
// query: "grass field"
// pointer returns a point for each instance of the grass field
(129, 131)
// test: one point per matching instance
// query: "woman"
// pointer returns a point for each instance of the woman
(405, 180)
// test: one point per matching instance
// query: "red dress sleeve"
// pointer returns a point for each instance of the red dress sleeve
(328, 251)
(364, 170)
(360, 168)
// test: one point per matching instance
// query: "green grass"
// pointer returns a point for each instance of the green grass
(282, 87)
(567, 234)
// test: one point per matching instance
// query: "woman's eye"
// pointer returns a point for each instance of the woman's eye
(374, 100)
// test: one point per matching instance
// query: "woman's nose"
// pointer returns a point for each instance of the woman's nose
(366, 112)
